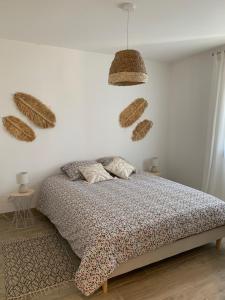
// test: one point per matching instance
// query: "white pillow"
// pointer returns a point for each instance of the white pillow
(95, 173)
(120, 168)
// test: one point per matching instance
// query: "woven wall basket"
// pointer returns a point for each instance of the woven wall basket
(141, 130)
(127, 68)
(35, 110)
(132, 112)
(20, 130)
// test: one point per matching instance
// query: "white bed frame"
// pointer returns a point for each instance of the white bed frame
(161, 253)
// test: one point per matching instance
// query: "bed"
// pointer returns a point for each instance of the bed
(120, 225)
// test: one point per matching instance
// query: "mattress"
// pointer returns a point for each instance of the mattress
(110, 222)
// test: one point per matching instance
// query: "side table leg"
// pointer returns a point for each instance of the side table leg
(23, 216)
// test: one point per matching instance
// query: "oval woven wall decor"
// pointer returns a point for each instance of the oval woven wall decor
(141, 130)
(132, 112)
(18, 129)
(35, 110)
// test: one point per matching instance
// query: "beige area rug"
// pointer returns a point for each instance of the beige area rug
(37, 264)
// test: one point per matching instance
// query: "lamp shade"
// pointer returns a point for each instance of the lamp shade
(155, 162)
(127, 68)
(22, 178)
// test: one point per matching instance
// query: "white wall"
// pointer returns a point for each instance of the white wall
(74, 84)
(188, 113)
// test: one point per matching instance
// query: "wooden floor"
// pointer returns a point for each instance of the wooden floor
(198, 274)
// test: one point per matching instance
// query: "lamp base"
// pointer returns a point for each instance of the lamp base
(155, 169)
(23, 188)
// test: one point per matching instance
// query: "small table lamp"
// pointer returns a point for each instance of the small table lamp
(155, 165)
(22, 179)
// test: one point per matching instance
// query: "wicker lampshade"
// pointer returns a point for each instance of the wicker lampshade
(127, 68)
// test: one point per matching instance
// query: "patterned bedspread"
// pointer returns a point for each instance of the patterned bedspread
(109, 222)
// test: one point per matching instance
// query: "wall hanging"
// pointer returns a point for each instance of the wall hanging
(128, 67)
(141, 130)
(35, 110)
(18, 129)
(132, 112)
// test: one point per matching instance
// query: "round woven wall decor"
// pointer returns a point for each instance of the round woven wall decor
(127, 68)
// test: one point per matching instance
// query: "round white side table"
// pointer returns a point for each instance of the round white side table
(23, 216)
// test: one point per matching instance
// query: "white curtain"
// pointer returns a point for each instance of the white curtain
(214, 170)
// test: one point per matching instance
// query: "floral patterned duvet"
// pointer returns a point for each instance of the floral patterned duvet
(109, 222)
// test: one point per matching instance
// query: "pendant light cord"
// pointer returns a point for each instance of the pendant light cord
(128, 20)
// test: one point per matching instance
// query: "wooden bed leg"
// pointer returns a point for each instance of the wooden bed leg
(218, 244)
(105, 287)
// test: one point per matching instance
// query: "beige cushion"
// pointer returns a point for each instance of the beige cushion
(95, 173)
(120, 168)
(106, 160)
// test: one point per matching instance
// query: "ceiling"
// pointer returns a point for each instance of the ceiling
(165, 30)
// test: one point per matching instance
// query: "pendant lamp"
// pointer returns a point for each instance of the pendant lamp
(128, 66)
